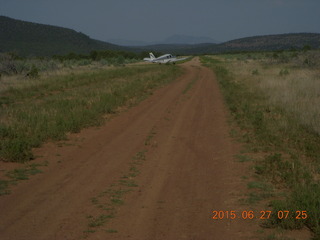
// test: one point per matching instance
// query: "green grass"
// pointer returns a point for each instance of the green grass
(244, 158)
(189, 86)
(24, 173)
(111, 199)
(36, 110)
(276, 113)
(111, 231)
(150, 136)
(4, 187)
(99, 221)
(19, 174)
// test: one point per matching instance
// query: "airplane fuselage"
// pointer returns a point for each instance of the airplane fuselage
(167, 58)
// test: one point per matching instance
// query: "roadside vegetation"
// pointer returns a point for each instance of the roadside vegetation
(47, 106)
(13, 64)
(274, 99)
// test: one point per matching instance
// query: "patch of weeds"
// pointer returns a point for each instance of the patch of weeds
(261, 122)
(94, 200)
(279, 170)
(111, 231)
(244, 158)
(150, 136)
(189, 86)
(284, 216)
(99, 221)
(303, 206)
(23, 173)
(119, 192)
(271, 236)
(18, 174)
(33, 73)
(32, 168)
(284, 72)
(117, 201)
(255, 72)
(85, 96)
(111, 198)
(108, 208)
(134, 171)
(253, 198)
(140, 155)
(89, 231)
(257, 185)
(128, 183)
(4, 185)
(234, 133)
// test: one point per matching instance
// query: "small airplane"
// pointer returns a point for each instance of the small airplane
(167, 58)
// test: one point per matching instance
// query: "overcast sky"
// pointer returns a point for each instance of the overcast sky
(152, 20)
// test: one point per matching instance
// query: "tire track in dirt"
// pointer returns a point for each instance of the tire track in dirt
(189, 172)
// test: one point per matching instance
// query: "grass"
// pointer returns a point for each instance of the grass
(189, 86)
(99, 221)
(19, 174)
(4, 187)
(150, 136)
(36, 110)
(112, 199)
(244, 158)
(274, 99)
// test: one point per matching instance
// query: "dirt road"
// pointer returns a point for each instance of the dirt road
(172, 151)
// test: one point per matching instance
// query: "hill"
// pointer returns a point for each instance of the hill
(256, 43)
(176, 39)
(185, 39)
(26, 38)
(272, 42)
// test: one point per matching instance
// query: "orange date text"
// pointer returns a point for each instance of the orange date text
(264, 214)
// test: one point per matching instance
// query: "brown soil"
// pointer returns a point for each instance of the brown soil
(189, 171)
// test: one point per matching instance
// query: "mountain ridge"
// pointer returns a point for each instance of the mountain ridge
(173, 39)
(35, 39)
(41, 39)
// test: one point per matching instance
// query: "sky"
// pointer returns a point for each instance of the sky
(154, 20)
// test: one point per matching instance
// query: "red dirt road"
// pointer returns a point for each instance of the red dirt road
(186, 170)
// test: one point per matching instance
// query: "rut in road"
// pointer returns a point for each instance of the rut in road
(189, 171)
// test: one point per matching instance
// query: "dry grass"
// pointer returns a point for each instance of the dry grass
(33, 111)
(294, 89)
(276, 104)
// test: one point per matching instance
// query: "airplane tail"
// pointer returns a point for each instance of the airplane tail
(152, 56)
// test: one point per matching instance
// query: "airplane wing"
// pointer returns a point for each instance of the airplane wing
(180, 59)
(167, 58)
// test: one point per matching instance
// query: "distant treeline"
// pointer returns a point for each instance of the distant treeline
(93, 55)
(103, 54)
(11, 63)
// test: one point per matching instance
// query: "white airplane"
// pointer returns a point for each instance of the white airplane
(167, 58)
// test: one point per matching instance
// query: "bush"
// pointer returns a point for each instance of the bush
(7, 64)
(33, 73)
(255, 72)
(284, 72)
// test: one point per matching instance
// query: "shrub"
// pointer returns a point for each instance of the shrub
(33, 73)
(7, 64)
(284, 72)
